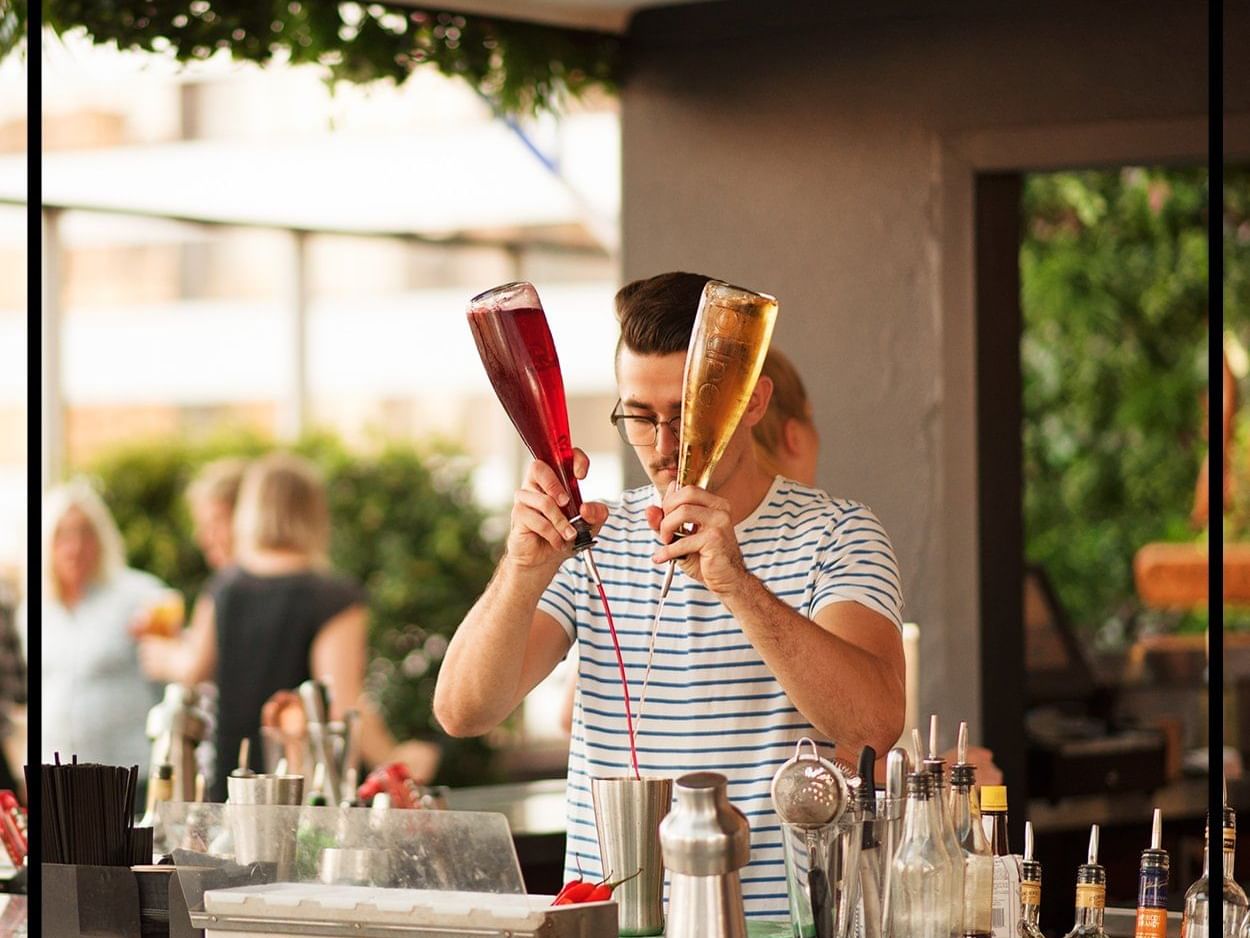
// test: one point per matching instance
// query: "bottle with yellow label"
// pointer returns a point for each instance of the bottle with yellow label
(1030, 888)
(1152, 886)
(1091, 894)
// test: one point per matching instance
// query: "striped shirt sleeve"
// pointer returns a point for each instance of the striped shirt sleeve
(858, 564)
(559, 600)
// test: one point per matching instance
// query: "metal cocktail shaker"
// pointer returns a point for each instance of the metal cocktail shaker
(705, 840)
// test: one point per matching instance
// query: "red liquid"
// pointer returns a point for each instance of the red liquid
(520, 359)
(516, 348)
(620, 663)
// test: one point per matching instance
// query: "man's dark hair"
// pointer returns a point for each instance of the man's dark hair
(657, 314)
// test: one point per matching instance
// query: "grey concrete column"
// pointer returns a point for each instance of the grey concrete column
(293, 420)
(51, 398)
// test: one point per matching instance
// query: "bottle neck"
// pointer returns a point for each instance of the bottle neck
(1091, 895)
(1230, 851)
(921, 823)
(998, 833)
(1030, 891)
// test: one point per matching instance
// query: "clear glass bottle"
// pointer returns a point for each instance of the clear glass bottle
(936, 767)
(1030, 889)
(921, 893)
(978, 884)
(1091, 894)
(1196, 922)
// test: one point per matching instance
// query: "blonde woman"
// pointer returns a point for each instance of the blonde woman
(95, 697)
(212, 497)
(277, 617)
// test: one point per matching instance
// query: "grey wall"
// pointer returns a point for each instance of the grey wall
(823, 155)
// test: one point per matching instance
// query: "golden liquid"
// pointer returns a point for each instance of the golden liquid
(731, 334)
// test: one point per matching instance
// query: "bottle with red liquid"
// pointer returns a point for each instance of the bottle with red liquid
(516, 347)
(515, 344)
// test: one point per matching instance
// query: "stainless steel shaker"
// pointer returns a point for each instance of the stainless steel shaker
(705, 841)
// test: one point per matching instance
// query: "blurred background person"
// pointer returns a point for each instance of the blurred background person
(277, 617)
(94, 695)
(212, 497)
(786, 440)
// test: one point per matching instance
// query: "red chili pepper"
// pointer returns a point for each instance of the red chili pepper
(574, 893)
(603, 892)
(567, 886)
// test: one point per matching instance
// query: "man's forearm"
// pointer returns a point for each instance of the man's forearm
(478, 681)
(850, 695)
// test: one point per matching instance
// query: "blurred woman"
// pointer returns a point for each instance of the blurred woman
(277, 617)
(786, 440)
(94, 694)
(212, 497)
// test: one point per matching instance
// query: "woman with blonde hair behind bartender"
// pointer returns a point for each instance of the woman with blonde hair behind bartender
(277, 617)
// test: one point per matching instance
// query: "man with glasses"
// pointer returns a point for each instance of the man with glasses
(783, 621)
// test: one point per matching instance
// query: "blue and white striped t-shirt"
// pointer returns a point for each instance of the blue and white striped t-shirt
(711, 703)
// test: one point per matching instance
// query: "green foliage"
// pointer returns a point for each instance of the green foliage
(1114, 298)
(13, 19)
(404, 524)
(518, 67)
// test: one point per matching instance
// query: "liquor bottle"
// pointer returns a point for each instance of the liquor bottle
(1091, 894)
(978, 892)
(920, 875)
(936, 766)
(160, 788)
(515, 344)
(732, 329)
(1152, 886)
(1030, 888)
(1196, 921)
(1007, 868)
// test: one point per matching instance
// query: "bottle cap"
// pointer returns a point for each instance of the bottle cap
(993, 797)
(164, 771)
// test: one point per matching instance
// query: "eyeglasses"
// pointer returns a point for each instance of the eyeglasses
(642, 431)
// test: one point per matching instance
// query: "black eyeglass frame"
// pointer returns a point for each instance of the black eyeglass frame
(622, 422)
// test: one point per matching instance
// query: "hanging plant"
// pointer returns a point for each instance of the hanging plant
(520, 68)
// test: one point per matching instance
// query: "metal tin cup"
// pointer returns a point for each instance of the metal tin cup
(354, 866)
(263, 819)
(628, 812)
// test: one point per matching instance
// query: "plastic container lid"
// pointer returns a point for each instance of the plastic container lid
(993, 797)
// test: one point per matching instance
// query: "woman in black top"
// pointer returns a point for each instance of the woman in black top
(276, 618)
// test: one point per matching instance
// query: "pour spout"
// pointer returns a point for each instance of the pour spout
(962, 745)
(1156, 830)
(591, 568)
(933, 736)
(1028, 840)
(1093, 845)
(668, 580)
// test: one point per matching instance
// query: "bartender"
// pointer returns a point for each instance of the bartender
(783, 621)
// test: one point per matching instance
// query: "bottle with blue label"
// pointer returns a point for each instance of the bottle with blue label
(1152, 886)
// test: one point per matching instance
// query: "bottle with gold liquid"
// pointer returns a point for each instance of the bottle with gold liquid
(1091, 894)
(732, 330)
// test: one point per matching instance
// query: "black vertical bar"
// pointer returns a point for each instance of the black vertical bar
(1000, 480)
(1215, 449)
